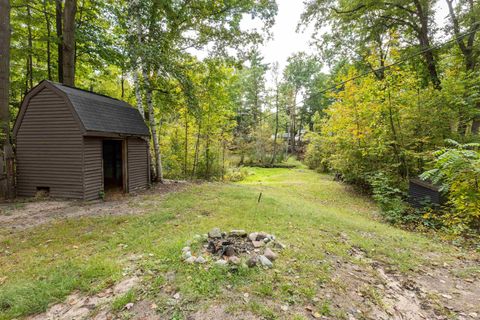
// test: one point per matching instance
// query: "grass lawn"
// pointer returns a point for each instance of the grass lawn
(314, 216)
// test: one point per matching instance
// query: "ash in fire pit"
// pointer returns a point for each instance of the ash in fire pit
(236, 247)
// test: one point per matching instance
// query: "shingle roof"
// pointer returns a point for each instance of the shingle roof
(104, 114)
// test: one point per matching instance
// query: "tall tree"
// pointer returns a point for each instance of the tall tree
(255, 86)
(4, 67)
(153, 126)
(59, 28)
(276, 83)
(29, 80)
(49, 37)
(465, 26)
(7, 176)
(300, 72)
(68, 43)
(357, 24)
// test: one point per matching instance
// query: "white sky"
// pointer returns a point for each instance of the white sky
(286, 41)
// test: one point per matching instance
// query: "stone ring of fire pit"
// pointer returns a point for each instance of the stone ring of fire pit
(235, 248)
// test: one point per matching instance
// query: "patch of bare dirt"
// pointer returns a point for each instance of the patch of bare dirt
(27, 213)
(369, 290)
(140, 310)
(78, 306)
(221, 312)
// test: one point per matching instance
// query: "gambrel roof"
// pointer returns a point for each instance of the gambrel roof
(97, 113)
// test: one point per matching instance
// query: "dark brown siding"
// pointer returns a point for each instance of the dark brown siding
(93, 182)
(49, 148)
(137, 164)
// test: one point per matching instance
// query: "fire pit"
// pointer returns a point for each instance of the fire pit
(235, 248)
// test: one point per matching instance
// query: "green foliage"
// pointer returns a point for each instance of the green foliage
(378, 133)
(378, 126)
(194, 141)
(457, 168)
(235, 174)
(389, 198)
(313, 155)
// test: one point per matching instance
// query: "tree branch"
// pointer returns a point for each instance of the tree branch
(337, 11)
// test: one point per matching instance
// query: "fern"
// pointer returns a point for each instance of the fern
(457, 170)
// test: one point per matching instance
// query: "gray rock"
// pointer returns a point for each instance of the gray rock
(215, 233)
(185, 249)
(190, 260)
(200, 260)
(261, 236)
(252, 262)
(264, 261)
(270, 255)
(238, 233)
(186, 255)
(229, 251)
(253, 236)
(258, 244)
(234, 260)
(221, 262)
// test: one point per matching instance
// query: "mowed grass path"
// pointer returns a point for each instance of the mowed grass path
(307, 211)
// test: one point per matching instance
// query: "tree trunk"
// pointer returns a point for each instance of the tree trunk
(30, 50)
(138, 93)
(197, 147)
(68, 44)
(122, 84)
(293, 128)
(274, 154)
(431, 64)
(224, 147)
(58, 23)
(207, 157)
(49, 37)
(466, 46)
(153, 128)
(423, 38)
(7, 182)
(185, 161)
(402, 164)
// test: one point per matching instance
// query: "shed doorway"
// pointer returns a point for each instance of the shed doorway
(113, 165)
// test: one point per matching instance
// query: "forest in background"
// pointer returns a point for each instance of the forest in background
(401, 98)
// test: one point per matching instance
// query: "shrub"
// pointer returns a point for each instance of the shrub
(235, 174)
(457, 169)
(314, 158)
(389, 198)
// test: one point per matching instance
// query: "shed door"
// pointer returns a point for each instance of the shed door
(113, 165)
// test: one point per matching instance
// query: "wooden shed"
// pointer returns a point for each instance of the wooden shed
(423, 192)
(74, 143)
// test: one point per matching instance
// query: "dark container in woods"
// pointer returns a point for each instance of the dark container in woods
(423, 192)
(72, 143)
